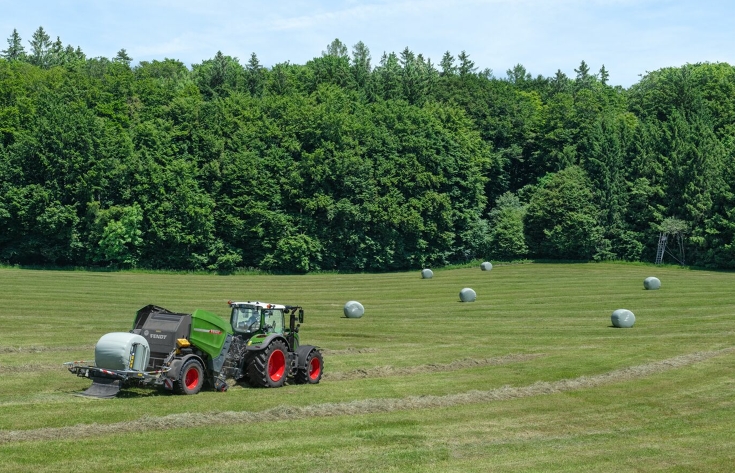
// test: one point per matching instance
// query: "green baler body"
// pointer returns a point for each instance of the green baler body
(208, 332)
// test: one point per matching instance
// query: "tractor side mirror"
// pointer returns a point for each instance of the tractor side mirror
(301, 316)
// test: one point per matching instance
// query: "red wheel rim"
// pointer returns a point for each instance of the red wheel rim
(192, 378)
(315, 368)
(276, 365)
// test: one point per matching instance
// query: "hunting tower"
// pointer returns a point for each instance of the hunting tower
(674, 228)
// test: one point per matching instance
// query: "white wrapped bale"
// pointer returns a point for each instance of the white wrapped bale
(651, 283)
(486, 266)
(427, 273)
(113, 351)
(467, 295)
(623, 318)
(353, 310)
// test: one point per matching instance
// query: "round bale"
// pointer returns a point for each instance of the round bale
(427, 273)
(467, 295)
(651, 283)
(486, 266)
(353, 310)
(622, 318)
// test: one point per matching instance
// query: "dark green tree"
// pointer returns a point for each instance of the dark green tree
(560, 82)
(584, 79)
(412, 77)
(333, 67)
(254, 76)
(219, 76)
(388, 75)
(280, 79)
(466, 66)
(336, 49)
(40, 48)
(506, 237)
(447, 65)
(122, 57)
(120, 235)
(562, 217)
(15, 51)
(604, 158)
(361, 68)
(518, 75)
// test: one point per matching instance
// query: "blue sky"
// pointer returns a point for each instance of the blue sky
(629, 37)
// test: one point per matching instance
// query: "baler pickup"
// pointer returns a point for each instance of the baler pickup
(103, 388)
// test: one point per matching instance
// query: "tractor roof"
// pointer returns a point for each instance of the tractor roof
(258, 304)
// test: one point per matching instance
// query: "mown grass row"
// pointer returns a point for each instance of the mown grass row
(532, 325)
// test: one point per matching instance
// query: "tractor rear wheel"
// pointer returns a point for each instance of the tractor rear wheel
(191, 378)
(312, 372)
(269, 367)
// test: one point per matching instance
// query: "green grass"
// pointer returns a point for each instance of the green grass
(530, 377)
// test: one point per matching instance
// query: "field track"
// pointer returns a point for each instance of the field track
(365, 406)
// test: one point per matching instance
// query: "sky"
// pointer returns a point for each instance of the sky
(628, 37)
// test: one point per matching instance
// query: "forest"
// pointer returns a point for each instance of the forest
(355, 163)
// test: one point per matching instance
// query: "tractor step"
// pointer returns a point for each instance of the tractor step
(102, 388)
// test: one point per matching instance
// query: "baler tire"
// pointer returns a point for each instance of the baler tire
(191, 378)
(311, 373)
(269, 367)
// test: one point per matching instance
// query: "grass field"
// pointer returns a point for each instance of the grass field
(529, 377)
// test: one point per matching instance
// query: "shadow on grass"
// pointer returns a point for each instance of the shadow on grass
(142, 393)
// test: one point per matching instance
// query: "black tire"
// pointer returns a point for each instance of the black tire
(191, 378)
(311, 373)
(269, 367)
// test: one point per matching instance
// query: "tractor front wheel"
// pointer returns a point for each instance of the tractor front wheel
(269, 368)
(191, 378)
(312, 372)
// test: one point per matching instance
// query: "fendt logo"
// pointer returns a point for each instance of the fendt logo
(154, 335)
(204, 330)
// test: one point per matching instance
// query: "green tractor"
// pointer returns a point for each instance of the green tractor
(272, 352)
(185, 353)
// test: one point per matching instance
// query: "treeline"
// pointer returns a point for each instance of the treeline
(347, 164)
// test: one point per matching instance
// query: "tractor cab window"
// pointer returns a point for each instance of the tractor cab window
(273, 319)
(245, 319)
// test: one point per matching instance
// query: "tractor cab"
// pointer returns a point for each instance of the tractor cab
(249, 318)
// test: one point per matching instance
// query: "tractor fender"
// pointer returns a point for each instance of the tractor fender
(303, 354)
(267, 341)
(174, 370)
